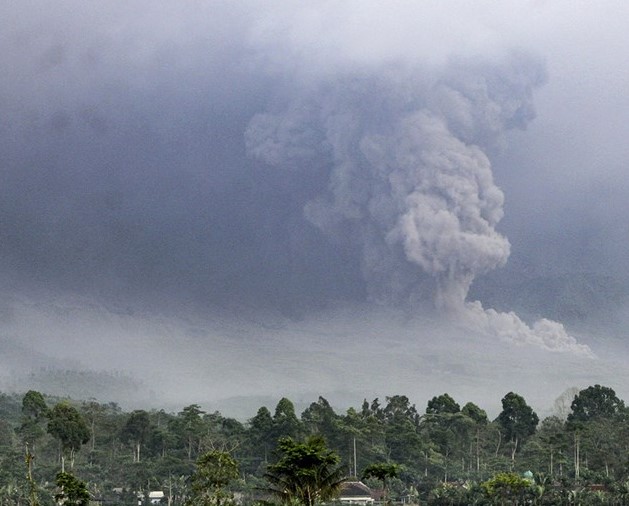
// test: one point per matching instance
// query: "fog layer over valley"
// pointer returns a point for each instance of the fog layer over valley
(69, 347)
(206, 201)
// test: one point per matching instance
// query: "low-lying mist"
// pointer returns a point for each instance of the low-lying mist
(76, 347)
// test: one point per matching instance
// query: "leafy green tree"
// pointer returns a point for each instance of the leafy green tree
(373, 429)
(400, 406)
(320, 418)
(364, 433)
(161, 440)
(71, 490)
(594, 402)
(94, 414)
(68, 426)
(306, 472)
(556, 442)
(447, 494)
(473, 412)
(479, 421)
(442, 404)
(507, 488)
(261, 434)
(105, 423)
(34, 413)
(214, 471)
(189, 427)
(285, 421)
(136, 431)
(31, 430)
(221, 432)
(384, 472)
(604, 448)
(449, 431)
(34, 405)
(403, 441)
(517, 420)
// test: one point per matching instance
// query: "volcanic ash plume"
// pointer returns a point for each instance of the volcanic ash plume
(406, 178)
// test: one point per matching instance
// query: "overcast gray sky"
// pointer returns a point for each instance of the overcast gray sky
(160, 155)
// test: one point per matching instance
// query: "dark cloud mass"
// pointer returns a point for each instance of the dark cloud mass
(125, 170)
(127, 167)
(236, 158)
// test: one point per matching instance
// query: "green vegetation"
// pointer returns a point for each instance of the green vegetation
(382, 472)
(443, 454)
(215, 470)
(306, 473)
(71, 490)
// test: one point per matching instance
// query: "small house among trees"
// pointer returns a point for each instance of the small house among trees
(355, 492)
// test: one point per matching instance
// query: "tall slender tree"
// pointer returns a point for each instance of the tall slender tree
(136, 431)
(517, 420)
(68, 426)
(34, 413)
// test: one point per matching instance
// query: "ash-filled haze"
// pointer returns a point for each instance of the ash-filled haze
(208, 200)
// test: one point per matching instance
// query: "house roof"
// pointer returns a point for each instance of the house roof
(354, 489)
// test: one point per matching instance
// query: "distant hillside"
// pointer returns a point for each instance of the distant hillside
(244, 407)
(103, 386)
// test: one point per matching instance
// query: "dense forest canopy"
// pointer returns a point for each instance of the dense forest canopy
(442, 454)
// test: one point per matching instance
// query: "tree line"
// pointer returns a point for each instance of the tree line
(70, 451)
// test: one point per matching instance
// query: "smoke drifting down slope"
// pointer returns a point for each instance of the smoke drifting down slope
(405, 157)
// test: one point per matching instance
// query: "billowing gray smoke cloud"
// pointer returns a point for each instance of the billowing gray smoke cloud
(409, 178)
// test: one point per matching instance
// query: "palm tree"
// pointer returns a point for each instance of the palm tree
(306, 472)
